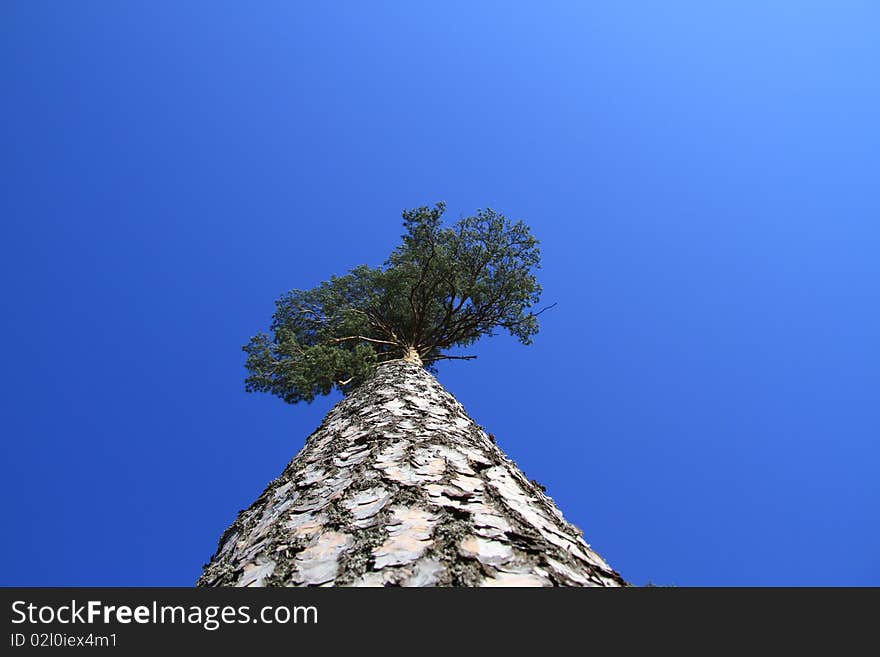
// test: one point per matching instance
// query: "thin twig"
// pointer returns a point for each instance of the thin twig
(444, 357)
(545, 308)
(361, 337)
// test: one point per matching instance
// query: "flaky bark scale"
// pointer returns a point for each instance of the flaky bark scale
(398, 486)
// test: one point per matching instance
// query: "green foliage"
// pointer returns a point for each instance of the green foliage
(441, 288)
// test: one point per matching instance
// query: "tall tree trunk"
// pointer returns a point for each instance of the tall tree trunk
(399, 486)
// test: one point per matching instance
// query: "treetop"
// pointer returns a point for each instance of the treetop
(443, 287)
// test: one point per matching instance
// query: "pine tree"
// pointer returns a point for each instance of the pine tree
(398, 486)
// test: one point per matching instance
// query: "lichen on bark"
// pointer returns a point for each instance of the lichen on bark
(399, 487)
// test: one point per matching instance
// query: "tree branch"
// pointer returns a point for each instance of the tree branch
(361, 337)
(545, 308)
(445, 357)
(419, 316)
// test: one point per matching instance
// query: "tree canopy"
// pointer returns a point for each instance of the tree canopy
(441, 288)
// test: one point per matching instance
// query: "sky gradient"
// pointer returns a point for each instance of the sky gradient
(703, 401)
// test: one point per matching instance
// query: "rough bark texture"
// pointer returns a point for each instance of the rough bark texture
(399, 486)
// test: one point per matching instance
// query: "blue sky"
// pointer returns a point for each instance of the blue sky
(703, 401)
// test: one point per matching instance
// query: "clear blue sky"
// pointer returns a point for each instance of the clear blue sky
(703, 402)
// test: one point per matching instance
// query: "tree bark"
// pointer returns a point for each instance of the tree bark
(398, 486)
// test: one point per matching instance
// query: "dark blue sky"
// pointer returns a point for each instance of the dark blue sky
(703, 402)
